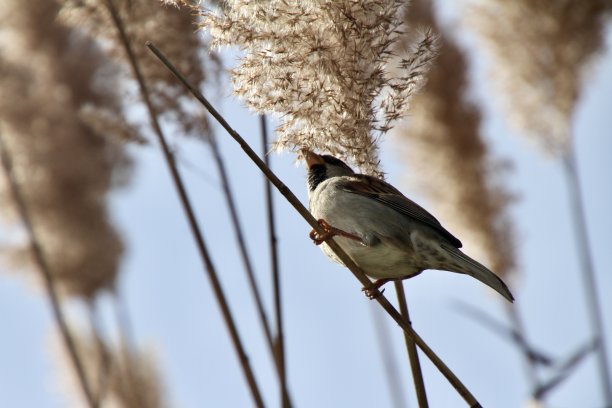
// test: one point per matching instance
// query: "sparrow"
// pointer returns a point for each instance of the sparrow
(389, 236)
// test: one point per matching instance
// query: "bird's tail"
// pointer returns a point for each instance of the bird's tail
(476, 270)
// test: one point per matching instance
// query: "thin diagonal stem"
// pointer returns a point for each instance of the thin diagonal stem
(104, 358)
(280, 335)
(45, 271)
(389, 359)
(126, 339)
(188, 208)
(246, 260)
(588, 270)
(124, 323)
(413, 356)
(236, 225)
(346, 260)
(529, 363)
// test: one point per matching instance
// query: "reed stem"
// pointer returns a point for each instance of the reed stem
(588, 271)
(45, 272)
(278, 311)
(188, 209)
(413, 355)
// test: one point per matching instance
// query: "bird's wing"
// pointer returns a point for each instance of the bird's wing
(388, 195)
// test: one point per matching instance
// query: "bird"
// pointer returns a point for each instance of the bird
(389, 236)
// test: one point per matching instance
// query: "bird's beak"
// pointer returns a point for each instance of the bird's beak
(312, 158)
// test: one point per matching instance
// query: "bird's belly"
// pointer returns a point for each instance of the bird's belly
(378, 261)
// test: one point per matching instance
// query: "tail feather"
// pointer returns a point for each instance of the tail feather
(476, 270)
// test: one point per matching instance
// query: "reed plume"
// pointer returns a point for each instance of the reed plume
(65, 160)
(327, 68)
(124, 378)
(443, 136)
(172, 28)
(540, 54)
(541, 51)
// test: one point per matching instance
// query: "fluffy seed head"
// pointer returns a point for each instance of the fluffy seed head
(540, 50)
(64, 165)
(172, 29)
(329, 69)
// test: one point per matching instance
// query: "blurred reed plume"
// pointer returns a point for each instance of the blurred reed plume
(172, 28)
(325, 68)
(458, 175)
(122, 378)
(541, 53)
(65, 160)
(540, 56)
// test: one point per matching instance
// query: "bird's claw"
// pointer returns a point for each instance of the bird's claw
(372, 292)
(317, 238)
(330, 232)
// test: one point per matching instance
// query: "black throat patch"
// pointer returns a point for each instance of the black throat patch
(316, 175)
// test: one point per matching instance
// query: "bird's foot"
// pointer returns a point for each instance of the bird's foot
(373, 291)
(330, 232)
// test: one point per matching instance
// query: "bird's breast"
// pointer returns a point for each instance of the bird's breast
(358, 215)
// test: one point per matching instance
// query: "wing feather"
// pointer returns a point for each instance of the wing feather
(388, 195)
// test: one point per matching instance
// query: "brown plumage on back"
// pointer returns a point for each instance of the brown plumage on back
(388, 195)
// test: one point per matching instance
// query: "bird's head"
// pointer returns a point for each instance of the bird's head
(323, 167)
